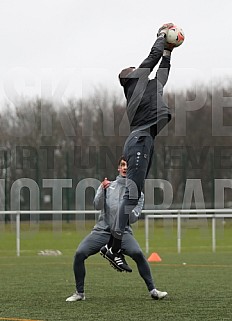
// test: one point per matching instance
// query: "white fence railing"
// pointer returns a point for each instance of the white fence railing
(150, 214)
(179, 214)
(19, 213)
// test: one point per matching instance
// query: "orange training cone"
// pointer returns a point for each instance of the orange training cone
(154, 257)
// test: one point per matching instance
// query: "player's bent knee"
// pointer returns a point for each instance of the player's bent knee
(80, 256)
(137, 255)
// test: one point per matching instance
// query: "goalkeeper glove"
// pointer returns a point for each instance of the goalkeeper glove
(164, 29)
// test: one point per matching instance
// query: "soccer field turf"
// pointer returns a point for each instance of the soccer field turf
(35, 287)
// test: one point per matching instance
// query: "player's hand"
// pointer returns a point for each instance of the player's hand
(106, 183)
(164, 29)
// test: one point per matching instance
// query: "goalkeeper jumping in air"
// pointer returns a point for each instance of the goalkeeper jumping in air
(148, 114)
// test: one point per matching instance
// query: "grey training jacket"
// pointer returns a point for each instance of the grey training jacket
(108, 201)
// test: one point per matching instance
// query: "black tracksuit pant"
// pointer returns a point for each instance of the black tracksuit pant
(138, 151)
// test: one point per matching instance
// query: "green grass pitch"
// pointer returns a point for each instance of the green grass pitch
(35, 287)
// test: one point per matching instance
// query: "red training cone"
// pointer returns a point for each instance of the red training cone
(154, 257)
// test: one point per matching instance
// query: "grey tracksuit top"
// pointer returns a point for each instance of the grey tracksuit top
(108, 201)
(145, 103)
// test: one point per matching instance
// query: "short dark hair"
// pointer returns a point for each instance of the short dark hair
(120, 159)
(123, 75)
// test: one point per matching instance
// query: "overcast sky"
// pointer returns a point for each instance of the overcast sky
(70, 47)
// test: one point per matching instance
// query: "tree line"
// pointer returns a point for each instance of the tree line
(84, 138)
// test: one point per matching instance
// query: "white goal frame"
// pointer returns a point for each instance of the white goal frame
(179, 214)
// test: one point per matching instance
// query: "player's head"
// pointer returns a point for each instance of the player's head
(123, 76)
(122, 166)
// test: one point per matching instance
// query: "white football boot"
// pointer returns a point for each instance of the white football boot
(158, 295)
(76, 297)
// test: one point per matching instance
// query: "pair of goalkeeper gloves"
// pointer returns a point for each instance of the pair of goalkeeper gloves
(163, 32)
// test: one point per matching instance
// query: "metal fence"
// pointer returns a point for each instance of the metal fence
(179, 214)
(150, 214)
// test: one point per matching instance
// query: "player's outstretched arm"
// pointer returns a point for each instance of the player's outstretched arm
(155, 54)
(157, 49)
(164, 68)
